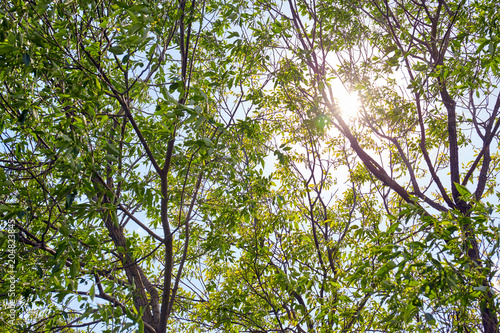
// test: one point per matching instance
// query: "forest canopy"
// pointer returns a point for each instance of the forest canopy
(193, 166)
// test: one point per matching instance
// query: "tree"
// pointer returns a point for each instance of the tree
(424, 152)
(137, 144)
(114, 121)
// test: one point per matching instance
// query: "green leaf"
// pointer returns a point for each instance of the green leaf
(92, 292)
(75, 267)
(22, 117)
(386, 284)
(483, 42)
(60, 249)
(390, 49)
(464, 192)
(175, 86)
(70, 198)
(39, 271)
(6, 48)
(112, 149)
(207, 142)
(391, 264)
(140, 9)
(116, 50)
(430, 318)
(56, 268)
(26, 59)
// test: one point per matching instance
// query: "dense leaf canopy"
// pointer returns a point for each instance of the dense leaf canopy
(190, 166)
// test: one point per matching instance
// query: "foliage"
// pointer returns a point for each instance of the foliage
(186, 166)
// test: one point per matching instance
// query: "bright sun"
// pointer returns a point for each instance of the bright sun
(347, 101)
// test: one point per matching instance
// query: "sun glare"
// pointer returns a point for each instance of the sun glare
(349, 104)
(347, 101)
